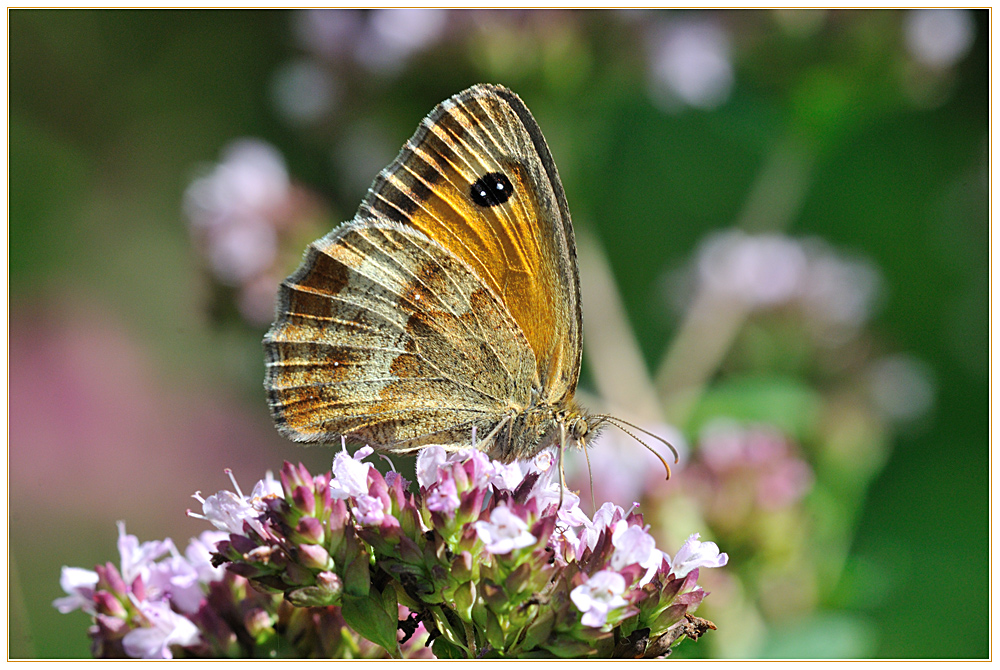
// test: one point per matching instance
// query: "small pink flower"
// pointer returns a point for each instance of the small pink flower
(136, 558)
(696, 554)
(634, 545)
(166, 628)
(504, 532)
(350, 474)
(80, 585)
(175, 580)
(369, 511)
(444, 498)
(199, 555)
(227, 511)
(507, 476)
(429, 461)
(600, 595)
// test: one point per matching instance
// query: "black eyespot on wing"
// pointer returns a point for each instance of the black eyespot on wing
(491, 189)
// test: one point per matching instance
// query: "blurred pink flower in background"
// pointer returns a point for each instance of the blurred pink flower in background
(740, 468)
(90, 408)
(239, 210)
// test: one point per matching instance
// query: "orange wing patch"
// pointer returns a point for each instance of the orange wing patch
(509, 245)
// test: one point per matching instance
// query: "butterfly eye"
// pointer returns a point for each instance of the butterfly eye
(491, 189)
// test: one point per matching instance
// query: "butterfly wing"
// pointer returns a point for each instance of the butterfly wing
(385, 337)
(477, 177)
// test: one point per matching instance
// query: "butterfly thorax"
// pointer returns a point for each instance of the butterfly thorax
(537, 428)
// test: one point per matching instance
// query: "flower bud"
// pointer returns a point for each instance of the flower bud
(314, 556)
(326, 591)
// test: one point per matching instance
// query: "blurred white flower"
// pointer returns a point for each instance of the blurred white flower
(691, 61)
(232, 209)
(837, 294)
(303, 91)
(251, 177)
(327, 32)
(393, 35)
(839, 291)
(242, 251)
(902, 387)
(763, 270)
(939, 38)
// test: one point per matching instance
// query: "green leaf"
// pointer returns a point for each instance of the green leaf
(444, 649)
(375, 618)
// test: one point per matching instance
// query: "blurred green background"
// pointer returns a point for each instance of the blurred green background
(135, 371)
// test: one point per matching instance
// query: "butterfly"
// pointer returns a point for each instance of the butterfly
(448, 308)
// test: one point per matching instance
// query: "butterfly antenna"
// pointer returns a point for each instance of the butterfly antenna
(617, 423)
(590, 473)
(614, 420)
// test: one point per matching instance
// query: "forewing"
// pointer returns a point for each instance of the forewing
(385, 337)
(522, 247)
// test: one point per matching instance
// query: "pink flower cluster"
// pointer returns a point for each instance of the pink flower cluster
(151, 602)
(483, 560)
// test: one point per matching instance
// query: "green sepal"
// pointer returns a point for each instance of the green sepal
(465, 598)
(444, 625)
(539, 629)
(354, 567)
(494, 631)
(570, 649)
